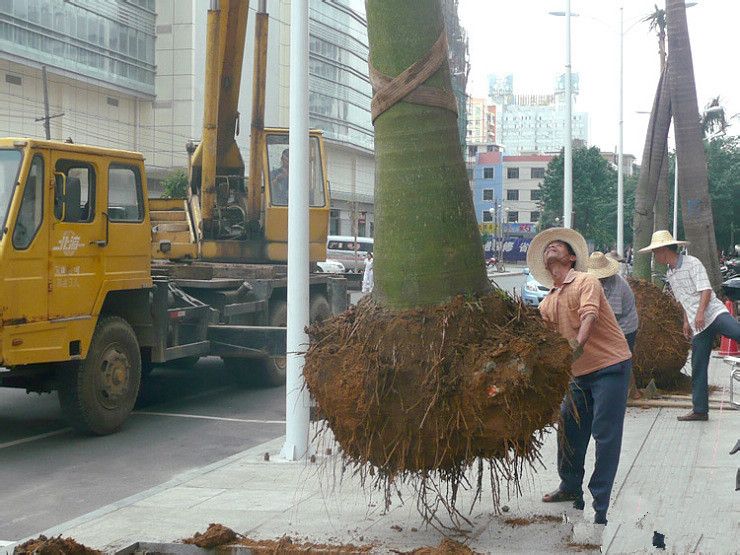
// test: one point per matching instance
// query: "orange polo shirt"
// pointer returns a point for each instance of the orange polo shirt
(566, 306)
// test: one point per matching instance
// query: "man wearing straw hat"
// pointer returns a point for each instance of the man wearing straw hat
(704, 316)
(601, 368)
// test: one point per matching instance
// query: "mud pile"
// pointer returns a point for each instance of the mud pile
(215, 535)
(661, 349)
(445, 547)
(53, 546)
(429, 391)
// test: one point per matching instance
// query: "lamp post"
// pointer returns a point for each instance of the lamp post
(620, 155)
(568, 146)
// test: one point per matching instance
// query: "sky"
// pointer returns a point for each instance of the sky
(521, 38)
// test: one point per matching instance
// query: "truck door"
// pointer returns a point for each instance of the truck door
(76, 238)
(26, 265)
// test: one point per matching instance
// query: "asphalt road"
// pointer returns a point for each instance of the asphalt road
(185, 419)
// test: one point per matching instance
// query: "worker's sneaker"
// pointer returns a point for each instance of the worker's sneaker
(693, 416)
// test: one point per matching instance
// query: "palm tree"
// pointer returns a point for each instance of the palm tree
(693, 182)
(427, 254)
(654, 164)
(657, 23)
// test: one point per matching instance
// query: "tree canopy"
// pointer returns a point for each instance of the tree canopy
(594, 197)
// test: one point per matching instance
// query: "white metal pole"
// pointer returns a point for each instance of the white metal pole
(620, 155)
(568, 147)
(675, 198)
(297, 398)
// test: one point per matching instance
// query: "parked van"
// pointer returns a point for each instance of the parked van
(349, 252)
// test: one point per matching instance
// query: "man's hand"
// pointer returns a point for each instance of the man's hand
(699, 322)
(687, 333)
(577, 348)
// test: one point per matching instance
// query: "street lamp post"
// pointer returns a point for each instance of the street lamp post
(620, 155)
(568, 146)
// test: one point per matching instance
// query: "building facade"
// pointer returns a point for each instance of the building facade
(100, 70)
(534, 122)
(523, 175)
(481, 117)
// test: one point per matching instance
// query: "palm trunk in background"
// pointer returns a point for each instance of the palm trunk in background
(427, 243)
(662, 198)
(693, 181)
(653, 159)
(662, 210)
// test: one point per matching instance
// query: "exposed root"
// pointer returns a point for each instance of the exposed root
(425, 395)
(661, 349)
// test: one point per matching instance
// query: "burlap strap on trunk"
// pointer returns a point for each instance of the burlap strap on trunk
(408, 86)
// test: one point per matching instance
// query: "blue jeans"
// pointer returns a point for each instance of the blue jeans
(701, 349)
(597, 408)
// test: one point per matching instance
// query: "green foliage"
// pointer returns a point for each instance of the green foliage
(723, 164)
(175, 185)
(594, 197)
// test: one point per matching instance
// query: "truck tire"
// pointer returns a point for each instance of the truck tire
(98, 395)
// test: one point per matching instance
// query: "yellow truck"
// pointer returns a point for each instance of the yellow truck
(99, 283)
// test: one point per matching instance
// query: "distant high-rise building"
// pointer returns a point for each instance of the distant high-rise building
(481, 121)
(534, 122)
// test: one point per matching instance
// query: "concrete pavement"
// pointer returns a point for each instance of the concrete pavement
(675, 478)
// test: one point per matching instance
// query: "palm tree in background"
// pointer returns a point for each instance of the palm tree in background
(713, 119)
(693, 181)
(661, 218)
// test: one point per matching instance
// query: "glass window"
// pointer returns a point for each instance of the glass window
(512, 217)
(534, 217)
(535, 194)
(125, 199)
(512, 194)
(10, 162)
(487, 173)
(32, 206)
(75, 192)
(512, 173)
(334, 221)
(278, 158)
(538, 173)
(487, 216)
(487, 194)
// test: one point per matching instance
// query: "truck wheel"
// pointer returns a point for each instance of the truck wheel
(98, 395)
(271, 371)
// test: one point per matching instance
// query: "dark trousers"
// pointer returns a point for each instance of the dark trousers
(596, 408)
(701, 349)
(631, 338)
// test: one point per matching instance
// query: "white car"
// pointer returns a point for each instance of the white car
(331, 267)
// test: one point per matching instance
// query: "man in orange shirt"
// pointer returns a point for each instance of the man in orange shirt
(601, 368)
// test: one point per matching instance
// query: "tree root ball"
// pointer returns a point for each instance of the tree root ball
(661, 349)
(434, 389)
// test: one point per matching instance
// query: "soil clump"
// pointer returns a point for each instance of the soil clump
(289, 545)
(445, 547)
(661, 349)
(427, 392)
(53, 546)
(215, 535)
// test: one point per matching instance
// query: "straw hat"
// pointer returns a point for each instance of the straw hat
(602, 266)
(536, 251)
(614, 255)
(662, 238)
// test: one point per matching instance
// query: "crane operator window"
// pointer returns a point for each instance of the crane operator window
(278, 158)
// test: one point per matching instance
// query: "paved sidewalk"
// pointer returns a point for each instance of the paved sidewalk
(675, 478)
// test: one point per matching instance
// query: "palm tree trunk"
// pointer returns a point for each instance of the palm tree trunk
(693, 181)
(662, 210)
(427, 244)
(653, 159)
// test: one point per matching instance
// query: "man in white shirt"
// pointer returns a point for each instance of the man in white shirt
(704, 316)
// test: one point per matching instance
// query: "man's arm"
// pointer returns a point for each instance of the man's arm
(584, 332)
(703, 303)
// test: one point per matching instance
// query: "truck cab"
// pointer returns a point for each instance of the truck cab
(75, 228)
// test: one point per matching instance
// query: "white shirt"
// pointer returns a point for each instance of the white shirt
(367, 276)
(688, 279)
